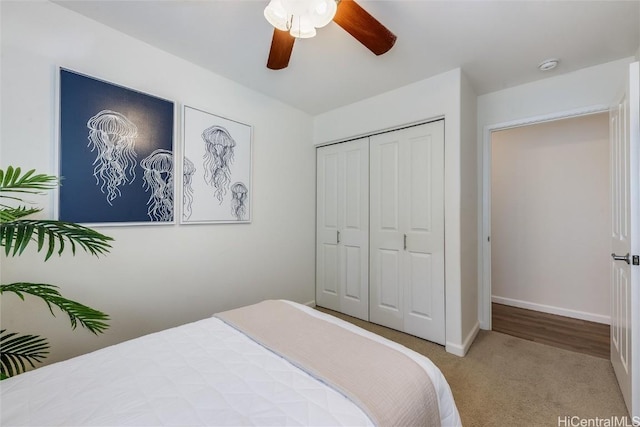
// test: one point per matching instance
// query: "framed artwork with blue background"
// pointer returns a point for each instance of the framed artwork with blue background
(116, 154)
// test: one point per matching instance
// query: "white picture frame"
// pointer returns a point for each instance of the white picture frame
(216, 169)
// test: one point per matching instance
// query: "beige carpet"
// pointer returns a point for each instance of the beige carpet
(508, 381)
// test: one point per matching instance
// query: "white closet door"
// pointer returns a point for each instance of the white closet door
(407, 231)
(342, 252)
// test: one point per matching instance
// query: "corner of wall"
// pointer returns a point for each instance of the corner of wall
(461, 350)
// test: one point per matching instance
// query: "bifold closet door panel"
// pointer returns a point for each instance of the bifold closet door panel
(342, 252)
(407, 230)
(386, 237)
(424, 224)
(327, 258)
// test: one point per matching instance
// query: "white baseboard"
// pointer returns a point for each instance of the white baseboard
(311, 304)
(461, 350)
(575, 314)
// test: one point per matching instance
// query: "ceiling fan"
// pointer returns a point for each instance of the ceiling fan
(299, 18)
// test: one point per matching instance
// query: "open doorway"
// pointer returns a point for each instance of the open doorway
(550, 232)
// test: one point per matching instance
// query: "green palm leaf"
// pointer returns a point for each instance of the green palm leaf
(16, 235)
(13, 181)
(8, 214)
(18, 350)
(94, 320)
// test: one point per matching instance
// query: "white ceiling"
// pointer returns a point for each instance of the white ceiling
(498, 44)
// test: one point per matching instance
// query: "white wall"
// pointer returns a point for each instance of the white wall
(552, 97)
(156, 276)
(550, 221)
(638, 51)
(590, 86)
(436, 97)
(427, 99)
(469, 221)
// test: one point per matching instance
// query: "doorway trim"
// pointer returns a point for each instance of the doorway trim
(484, 302)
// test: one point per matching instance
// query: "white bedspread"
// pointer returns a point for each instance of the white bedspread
(202, 373)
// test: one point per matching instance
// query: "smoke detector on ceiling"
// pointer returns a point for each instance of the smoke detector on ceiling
(548, 64)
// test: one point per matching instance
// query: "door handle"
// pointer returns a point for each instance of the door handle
(624, 258)
(338, 236)
(405, 242)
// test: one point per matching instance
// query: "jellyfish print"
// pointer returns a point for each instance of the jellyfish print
(158, 177)
(188, 170)
(113, 137)
(239, 200)
(218, 157)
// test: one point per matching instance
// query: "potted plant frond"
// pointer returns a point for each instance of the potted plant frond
(17, 232)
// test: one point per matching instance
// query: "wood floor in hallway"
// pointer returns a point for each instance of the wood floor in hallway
(558, 331)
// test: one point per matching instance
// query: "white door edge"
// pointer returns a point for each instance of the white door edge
(634, 114)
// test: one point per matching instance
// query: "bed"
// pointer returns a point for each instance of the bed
(272, 363)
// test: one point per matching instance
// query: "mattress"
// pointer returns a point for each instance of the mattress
(199, 374)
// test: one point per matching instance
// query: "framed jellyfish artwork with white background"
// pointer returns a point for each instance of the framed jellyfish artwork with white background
(216, 169)
(115, 154)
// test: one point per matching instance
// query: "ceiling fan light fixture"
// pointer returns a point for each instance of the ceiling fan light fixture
(323, 11)
(302, 27)
(300, 17)
(276, 15)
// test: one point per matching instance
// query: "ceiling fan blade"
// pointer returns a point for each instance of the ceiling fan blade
(364, 27)
(281, 47)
